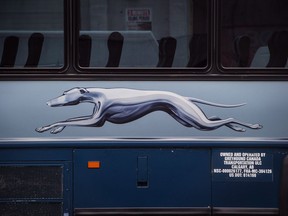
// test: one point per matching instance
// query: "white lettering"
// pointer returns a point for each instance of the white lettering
(243, 165)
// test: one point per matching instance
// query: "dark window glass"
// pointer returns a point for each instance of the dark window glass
(253, 33)
(143, 33)
(31, 33)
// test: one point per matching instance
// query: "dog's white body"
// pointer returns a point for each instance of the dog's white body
(125, 105)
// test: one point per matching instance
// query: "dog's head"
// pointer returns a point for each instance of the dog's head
(71, 97)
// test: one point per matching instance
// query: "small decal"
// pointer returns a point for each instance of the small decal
(120, 105)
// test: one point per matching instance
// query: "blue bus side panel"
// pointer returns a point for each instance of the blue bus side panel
(26, 184)
(24, 108)
(142, 178)
(39, 154)
(246, 177)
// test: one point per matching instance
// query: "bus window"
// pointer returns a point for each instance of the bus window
(143, 34)
(31, 34)
(254, 34)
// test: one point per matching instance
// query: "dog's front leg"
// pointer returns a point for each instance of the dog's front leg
(53, 127)
(58, 129)
(59, 126)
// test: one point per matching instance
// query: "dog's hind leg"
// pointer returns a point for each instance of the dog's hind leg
(229, 125)
(248, 125)
(232, 121)
(206, 124)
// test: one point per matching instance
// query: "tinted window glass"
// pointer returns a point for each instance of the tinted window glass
(31, 33)
(143, 33)
(254, 33)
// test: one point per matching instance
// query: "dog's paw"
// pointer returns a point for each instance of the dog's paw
(239, 129)
(257, 126)
(41, 129)
(57, 130)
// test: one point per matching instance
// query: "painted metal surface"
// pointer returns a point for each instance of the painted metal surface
(247, 190)
(156, 173)
(174, 178)
(154, 161)
(23, 108)
(122, 105)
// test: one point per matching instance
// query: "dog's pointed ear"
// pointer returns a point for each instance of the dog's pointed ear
(83, 90)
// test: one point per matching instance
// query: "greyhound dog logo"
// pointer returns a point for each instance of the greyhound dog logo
(120, 105)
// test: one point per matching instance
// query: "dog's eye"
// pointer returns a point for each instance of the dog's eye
(82, 91)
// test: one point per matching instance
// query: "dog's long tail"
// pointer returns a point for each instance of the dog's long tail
(196, 100)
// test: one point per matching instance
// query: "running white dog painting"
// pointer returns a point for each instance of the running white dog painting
(120, 105)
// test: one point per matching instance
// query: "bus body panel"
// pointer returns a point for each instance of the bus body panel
(24, 108)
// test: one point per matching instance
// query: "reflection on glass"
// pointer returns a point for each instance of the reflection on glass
(151, 33)
(254, 33)
(31, 33)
